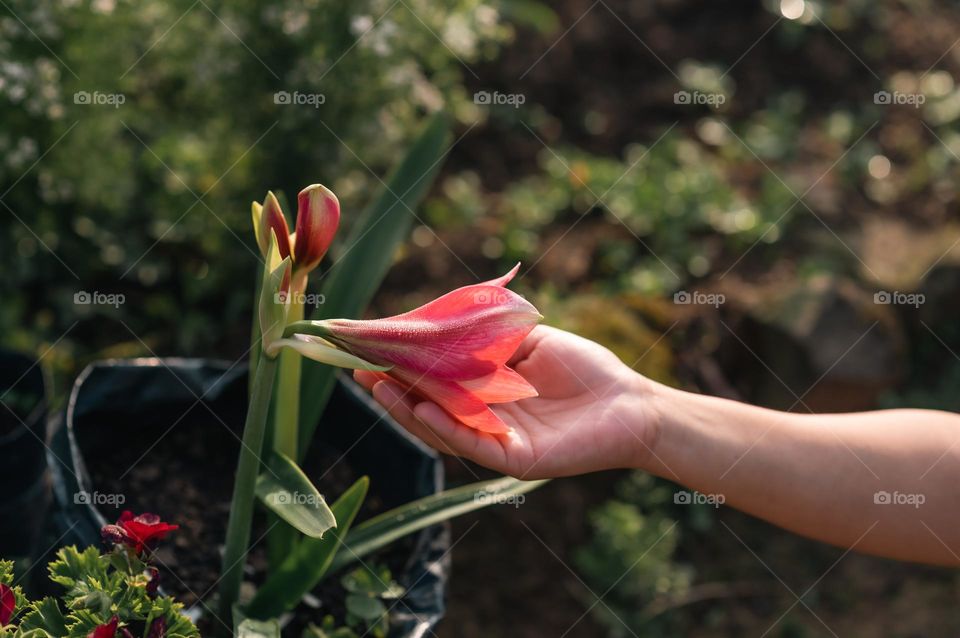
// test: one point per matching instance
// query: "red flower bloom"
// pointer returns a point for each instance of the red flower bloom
(8, 603)
(108, 630)
(452, 351)
(137, 532)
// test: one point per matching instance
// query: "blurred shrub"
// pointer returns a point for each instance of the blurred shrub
(630, 558)
(150, 197)
(674, 198)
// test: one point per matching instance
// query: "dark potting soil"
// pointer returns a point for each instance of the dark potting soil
(186, 477)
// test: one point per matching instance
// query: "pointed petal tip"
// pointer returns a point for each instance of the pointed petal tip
(503, 280)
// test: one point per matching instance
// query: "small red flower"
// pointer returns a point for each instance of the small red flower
(8, 603)
(138, 532)
(109, 630)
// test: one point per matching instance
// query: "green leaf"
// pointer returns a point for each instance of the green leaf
(364, 580)
(382, 530)
(286, 491)
(366, 255)
(308, 563)
(250, 628)
(365, 607)
(46, 615)
(73, 567)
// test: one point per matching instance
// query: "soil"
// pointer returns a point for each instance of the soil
(186, 477)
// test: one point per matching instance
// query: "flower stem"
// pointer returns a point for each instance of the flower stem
(241, 507)
(287, 406)
(286, 417)
(313, 328)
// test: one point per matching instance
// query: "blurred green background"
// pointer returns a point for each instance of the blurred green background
(794, 160)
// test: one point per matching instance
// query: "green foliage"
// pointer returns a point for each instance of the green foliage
(287, 492)
(381, 530)
(667, 194)
(96, 588)
(369, 592)
(632, 548)
(309, 561)
(113, 205)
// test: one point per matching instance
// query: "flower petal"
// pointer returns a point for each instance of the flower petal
(465, 334)
(460, 403)
(505, 279)
(323, 351)
(271, 218)
(502, 386)
(8, 603)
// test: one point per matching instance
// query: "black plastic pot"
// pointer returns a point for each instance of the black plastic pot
(112, 401)
(24, 496)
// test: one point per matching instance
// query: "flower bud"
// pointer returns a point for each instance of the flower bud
(269, 217)
(318, 216)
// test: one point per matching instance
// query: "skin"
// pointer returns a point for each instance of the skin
(816, 475)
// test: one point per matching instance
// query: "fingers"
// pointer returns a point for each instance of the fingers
(428, 422)
(481, 447)
(365, 378)
(394, 399)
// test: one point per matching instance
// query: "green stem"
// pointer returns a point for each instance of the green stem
(313, 328)
(282, 537)
(287, 410)
(241, 507)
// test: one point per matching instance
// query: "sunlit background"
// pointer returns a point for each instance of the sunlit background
(755, 199)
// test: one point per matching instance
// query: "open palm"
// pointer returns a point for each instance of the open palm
(589, 414)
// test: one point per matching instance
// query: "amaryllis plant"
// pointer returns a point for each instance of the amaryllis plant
(452, 351)
(108, 594)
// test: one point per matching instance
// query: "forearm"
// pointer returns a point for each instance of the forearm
(818, 475)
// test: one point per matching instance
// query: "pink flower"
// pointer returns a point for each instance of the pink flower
(8, 603)
(452, 351)
(318, 217)
(137, 532)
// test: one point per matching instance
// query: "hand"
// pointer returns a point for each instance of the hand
(593, 412)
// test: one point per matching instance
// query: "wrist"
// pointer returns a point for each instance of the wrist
(646, 418)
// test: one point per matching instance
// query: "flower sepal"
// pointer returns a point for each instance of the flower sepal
(274, 297)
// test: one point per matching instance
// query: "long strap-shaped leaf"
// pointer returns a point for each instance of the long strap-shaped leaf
(311, 559)
(382, 530)
(367, 254)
